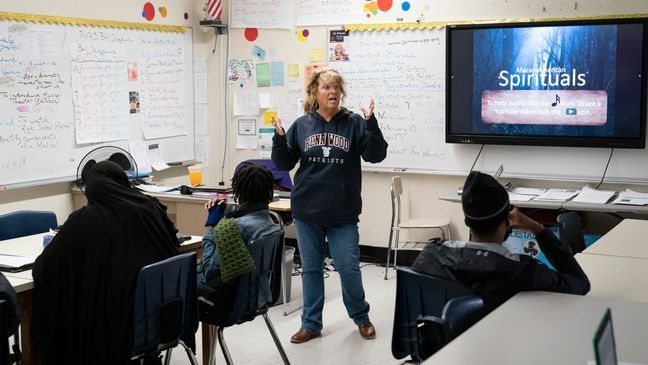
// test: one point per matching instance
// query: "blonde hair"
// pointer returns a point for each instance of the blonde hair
(329, 75)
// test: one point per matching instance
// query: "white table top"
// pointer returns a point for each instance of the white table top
(627, 239)
(20, 284)
(548, 328)
(616, 277)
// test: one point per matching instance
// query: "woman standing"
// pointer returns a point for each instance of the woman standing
(328, 142)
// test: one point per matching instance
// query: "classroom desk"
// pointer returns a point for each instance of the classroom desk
(568, 205)
(538, 328)
(186, 211)
(23, 283)
(627, 239)
(617, 264)
(456, 198)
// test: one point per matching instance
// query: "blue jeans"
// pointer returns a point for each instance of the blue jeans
(345, 251)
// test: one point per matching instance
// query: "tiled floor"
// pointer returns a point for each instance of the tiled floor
(340, 343)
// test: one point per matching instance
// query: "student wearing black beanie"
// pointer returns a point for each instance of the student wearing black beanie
(487, 267)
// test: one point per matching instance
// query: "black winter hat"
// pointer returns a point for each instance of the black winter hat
(485, 202)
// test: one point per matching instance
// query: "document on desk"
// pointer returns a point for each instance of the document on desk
(150, 188)
(528, 191)
(519, 197)
(630, 197)
(589, 195)
(12, 263)
(557, 195)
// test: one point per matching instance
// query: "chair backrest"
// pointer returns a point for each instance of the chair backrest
(418, 295)
(165, 304)
(268, 258)
(458, 315)
(396, 192)
(4, 332)
(570, 231)
(26, 222)
(461, 313)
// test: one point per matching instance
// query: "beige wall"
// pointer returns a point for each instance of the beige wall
(422, 189)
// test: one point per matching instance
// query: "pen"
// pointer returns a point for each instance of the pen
(400, 170)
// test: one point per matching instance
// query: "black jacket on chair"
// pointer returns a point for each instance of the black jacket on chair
(495, 274)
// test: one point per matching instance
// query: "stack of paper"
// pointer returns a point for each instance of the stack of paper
(150, 188)
(16, 263)
(557, 195)
(589, 195)
(524, 194)
(630, 197)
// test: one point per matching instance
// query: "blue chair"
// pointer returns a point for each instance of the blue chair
(570, 231)
(165, 307)
(26, 222)
(418, 295)
(458, 315)
(268, 258)
(4, 332)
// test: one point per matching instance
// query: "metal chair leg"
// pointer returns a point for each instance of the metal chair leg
(389, 248)
(214, 344)
(396, 247)
(282, 352)
(167, 356)
(190, 354)
(226, 353)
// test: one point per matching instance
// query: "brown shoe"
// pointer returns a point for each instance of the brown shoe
(367, 331)
(304, 336)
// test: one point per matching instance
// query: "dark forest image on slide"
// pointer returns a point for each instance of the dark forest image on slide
(567, 65)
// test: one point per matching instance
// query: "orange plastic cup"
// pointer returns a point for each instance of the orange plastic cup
(195, 174)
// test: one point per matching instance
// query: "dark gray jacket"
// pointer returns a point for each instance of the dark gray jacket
(496, 274)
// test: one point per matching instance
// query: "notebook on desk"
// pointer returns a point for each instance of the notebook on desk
(10, 263)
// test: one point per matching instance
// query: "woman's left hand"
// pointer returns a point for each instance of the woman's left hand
(368, 113)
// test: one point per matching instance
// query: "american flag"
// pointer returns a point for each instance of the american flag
(215, 8)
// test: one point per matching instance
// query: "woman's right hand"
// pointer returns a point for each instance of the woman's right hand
(276, 123)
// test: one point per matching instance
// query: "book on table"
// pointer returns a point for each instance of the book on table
(10, 263)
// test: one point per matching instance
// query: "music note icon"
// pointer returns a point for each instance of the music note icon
(557, 101)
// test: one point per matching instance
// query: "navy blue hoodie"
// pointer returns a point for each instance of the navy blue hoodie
(328, 180)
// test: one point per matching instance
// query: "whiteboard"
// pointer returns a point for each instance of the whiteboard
(404, 71)
(66, 89)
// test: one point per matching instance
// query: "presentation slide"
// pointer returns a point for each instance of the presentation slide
(547, 75)
(579, 80)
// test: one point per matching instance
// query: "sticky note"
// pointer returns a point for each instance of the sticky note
(293, 70)
(318, 54)
(263, 74)
(268, 115)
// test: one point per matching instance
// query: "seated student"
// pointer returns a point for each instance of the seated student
(252, 189)
(85, 278)
(486, 266)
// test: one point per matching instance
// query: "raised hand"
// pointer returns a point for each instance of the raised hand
(368, 113)
(276, 123)
(521, 221)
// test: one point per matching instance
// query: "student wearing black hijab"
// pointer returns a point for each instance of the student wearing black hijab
(84, 279)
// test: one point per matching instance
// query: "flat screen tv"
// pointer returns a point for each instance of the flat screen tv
(558, 83)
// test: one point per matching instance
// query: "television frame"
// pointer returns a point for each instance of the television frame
(543, 140)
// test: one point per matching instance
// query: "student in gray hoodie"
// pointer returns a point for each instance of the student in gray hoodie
(328, 142)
